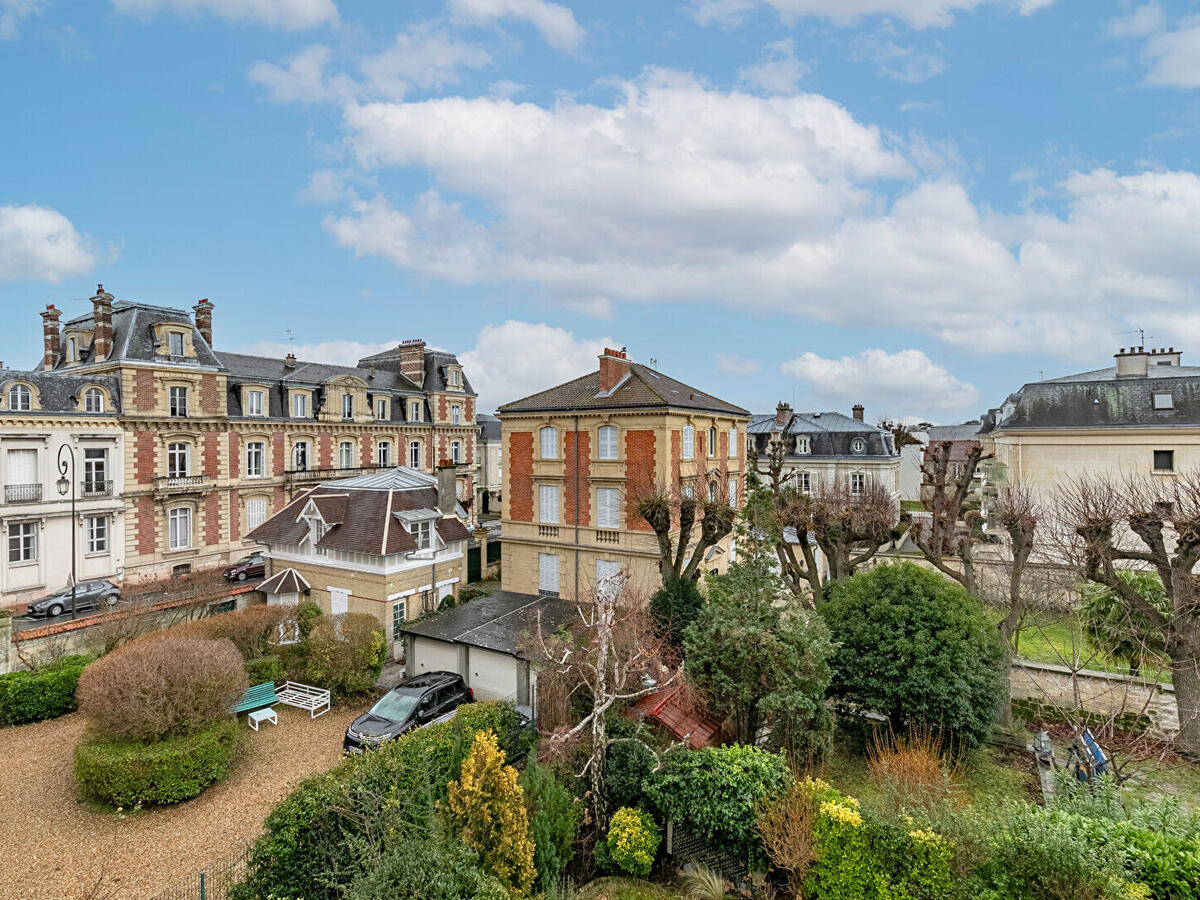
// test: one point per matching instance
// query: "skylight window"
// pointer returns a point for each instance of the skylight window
(1164, 401)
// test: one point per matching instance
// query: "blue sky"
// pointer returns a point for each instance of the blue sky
(913, 204)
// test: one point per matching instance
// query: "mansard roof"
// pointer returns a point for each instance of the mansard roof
(829, 434)
(62, 392)
(133, 336)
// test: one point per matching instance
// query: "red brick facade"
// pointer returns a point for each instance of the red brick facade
(639, 472)
(212, 455)
(145, 457)
(147, 530)
(145, 390)
(584, 498)
(520, 484)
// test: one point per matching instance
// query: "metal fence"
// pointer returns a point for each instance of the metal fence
(213, 883)
(685, 847)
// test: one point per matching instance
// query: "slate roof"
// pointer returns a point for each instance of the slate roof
(1105, 401)
(435, 366)
(489, 427)
(60, 392)
(643, 387)
(498, 622)
(133, 337)
(363, 514)
(968, 431)
(289, 581)
(830, 434)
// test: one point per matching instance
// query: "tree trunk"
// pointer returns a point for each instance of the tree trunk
(1008, 631)
(1186, 677)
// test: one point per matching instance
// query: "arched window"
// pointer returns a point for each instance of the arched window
(606, 441)
(300, 456)
(385, 453)
(549, 443)
(456, 452)
(179, 456)
(712, 492)
(347, 406)
(689, 442)
(733, 443)
(93, 400)
(414, 454)
(20, 399)
(712, 441)
(346, 455)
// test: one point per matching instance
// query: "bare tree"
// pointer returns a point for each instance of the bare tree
(1146, 524)
(947, 530)
(902, 435)
(674, 515)
(613, 653)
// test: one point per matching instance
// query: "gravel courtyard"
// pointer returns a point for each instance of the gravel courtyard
(55, 847)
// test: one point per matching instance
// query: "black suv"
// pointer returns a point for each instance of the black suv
(414, 702)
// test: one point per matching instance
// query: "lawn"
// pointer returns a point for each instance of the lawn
(1059, 639)
(625, 889)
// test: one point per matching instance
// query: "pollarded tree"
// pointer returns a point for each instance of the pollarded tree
(947, 529)
(1120, 630)
(676, 515)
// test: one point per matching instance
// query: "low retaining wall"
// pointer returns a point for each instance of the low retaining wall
(1109, 694)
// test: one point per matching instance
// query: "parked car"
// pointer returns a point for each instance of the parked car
(414, 702)
(252, 566)
(88, 595)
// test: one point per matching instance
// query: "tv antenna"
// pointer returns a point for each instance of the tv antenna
(291, 337)
(1140, 332)
(653, 363)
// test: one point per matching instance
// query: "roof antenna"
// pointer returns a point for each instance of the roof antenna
(653, 363)
(291, 338)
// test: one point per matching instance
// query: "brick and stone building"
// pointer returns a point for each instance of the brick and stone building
(575, 456)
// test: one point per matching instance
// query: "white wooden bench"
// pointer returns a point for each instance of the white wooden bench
(304, 696)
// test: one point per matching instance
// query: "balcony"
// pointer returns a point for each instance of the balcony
(548, 531)
(306, 475)
(604, 536)
(182, 484)
(95, 490)
(22, 493)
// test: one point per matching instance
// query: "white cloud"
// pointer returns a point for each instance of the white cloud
(555, 22)
(303, 79)
(917, 13)
(516, 359)
(425, 55)
(289, 15)
(736, 365)
(1144, 20)
(11, 14)
(779, 72)
(1174, 55)
(899, 61)
(903, 383)
(40, 244)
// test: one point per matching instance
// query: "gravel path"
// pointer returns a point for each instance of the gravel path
(55, 847)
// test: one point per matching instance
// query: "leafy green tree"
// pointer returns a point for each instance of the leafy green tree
(761, 661)
(424, 867)
(915, 647)
(675, 606)
(554, 820)
(1119, 629)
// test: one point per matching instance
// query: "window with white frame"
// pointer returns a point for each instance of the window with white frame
(22, 542)
(688, 491)
(606, 441)
(422, 533)
(300, 456)
(689, 442)
(254, 403)
(548, 573)
(733, 492)
(858, 482)
(93, 400)
(20, 398)
(177, 401)
(549, 442)
(414, 411)
(608, 508)
(712, 441)
(858, 445)
(175, 343)
(453, 377)
(95, 469)
(384, 453)
(72, 349)
(339, 601)
(95, 534)
(381, 409)
(256, 452)
(347, 406)
(1164, 401)
(256, 512)
(804, 482)
(346, 455)
(733, 443)
(414, 454)
(608, 578)
(299, 406)
(21, 467)
(399, 617)
(802, 444)
(455, 414)
(179, 528)
(456, 454)
(548, 504)
(179, 459)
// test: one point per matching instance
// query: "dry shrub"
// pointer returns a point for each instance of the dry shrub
(912, 770)
(255, 630)
(345, 652)
(169, 687)
(785, 823)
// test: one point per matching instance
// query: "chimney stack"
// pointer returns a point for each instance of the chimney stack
(1133, 363)
(51, 337)
(446, 488)
(289, 361)
(783, 414)
(614, 366)
(412, 361)
(102, 330)
(203, 311)
(857, 409)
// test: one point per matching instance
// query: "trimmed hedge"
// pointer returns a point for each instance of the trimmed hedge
(127, 773)
(43, 693)
(311, 841)
(265, 668)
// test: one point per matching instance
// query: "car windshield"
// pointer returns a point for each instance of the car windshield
(395, 707)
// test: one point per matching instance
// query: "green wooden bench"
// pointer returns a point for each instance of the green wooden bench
(257, 697)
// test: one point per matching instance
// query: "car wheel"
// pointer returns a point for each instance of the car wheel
(55, 610)
(241, 576)
(112, 599)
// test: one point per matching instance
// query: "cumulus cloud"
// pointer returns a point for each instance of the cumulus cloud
(1174, 55)
(288, 15)
(11, 14)
(41, 244)
(917, 13)
(303, 79)
(515, 359)
(736, 365)
(779, 72)
(425, 55)
(555, 22)
(903, 383)
(904, 62)
(1144, 20)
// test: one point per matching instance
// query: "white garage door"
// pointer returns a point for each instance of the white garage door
(433, 656)
(493, 676)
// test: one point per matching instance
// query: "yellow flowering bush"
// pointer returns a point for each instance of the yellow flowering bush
(633, 839)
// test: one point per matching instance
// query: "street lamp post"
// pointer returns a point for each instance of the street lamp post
(68, 484)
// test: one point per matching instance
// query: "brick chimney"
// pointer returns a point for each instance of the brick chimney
(289, 361)
(447, 488)
(857, 409)
(102, 330)
(613, 367)
(412, 361)
(783, 414)
(51, 336)
(203, 311)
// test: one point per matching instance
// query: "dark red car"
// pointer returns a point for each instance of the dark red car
(252, 566)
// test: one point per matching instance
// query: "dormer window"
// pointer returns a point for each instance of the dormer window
(254, 403)
(381, 409)
(347, 406)
(72, 349)
(453, 377)
(414, 411)
(422, 534)
(455, 414)
(19, 398)
(175, 343)
(1164, 401)
(803, 445)
(93, 400)
(858, 445)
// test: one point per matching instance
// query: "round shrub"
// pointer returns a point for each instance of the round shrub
(169, 687)
(255, 630)
(126, 773)
(345, 652)
(633, 839)
(265, 668)
(46, 692)
(915, 647)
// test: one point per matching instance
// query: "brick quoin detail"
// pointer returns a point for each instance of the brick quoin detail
(325, 450)
(364, 457)
(520, 468)
(145, 455)
(278, 451)
(209, 400)
(212, 519)
(235, 449)
(723, 451)
(639, 472)
(585, 464)
(212, 455)
(701, 444)
(235, 516)
(443, 414)
(145, 390)
(279, 502)
(146, 529)
(676, 453)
